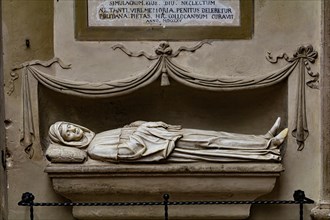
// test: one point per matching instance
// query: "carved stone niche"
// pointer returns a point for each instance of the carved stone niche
(96, 181)
(210, 107)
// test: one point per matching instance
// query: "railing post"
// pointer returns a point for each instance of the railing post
(28, 200)
(299, 196)
(166, 198)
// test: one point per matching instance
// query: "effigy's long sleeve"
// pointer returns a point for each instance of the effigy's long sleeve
(152, 141)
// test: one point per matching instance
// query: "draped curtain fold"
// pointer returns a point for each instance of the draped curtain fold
(164, 66)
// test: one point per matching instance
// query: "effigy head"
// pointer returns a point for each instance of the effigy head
(69, 134)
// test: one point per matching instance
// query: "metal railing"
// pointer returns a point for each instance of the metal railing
(298, 196)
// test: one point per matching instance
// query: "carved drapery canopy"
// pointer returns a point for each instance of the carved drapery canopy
(165, 67)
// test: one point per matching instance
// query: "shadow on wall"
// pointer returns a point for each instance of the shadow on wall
(247, 111)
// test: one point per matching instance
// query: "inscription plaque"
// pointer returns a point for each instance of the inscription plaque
(163, 19)
(163, 13)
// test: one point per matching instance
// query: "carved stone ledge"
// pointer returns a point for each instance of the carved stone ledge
(101, 182)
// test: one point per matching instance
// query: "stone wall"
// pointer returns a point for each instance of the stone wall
(279, 26)
(22, 20)
(3, 182)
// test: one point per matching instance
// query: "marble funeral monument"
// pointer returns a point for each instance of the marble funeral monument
(209, 78)
(228, 166)
(143, 160)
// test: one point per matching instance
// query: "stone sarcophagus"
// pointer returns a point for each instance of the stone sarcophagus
(144, 160)
(96, 181)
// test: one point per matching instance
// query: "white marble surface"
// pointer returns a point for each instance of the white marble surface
(163, 13)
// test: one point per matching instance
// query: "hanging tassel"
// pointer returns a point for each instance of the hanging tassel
(165, 81)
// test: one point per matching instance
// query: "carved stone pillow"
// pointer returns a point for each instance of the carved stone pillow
(62, 154)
